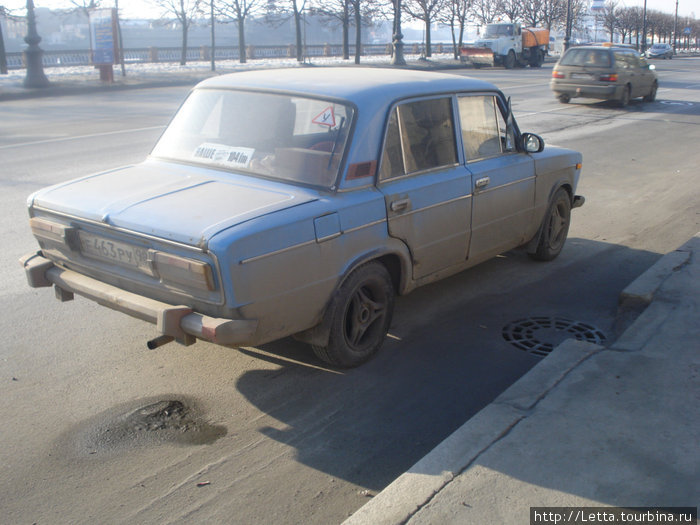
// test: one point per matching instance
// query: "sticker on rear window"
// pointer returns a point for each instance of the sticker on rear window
(221, 154)
(325, 118)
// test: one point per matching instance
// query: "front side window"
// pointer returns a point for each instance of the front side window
(420, 136)
(484, 131)
(283, 137)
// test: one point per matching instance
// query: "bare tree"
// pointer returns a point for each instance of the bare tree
(185, 12)
(455, 15)
(4, 13)
(426, 11)
(336, 11)
(512, 9)
(238, 11)
(610, 17)
(278, 11)
(486, 11)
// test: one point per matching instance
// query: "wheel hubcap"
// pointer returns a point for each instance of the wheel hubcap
(364, 314)
(557, 226)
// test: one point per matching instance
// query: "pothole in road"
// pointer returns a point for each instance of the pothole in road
(541, 335)
(146, 423)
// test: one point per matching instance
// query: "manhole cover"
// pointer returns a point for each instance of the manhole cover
(540, 335)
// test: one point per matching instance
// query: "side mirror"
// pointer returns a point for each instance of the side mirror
(532, 143)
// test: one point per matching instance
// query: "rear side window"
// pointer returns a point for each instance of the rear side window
(420, 137)
(587, 58)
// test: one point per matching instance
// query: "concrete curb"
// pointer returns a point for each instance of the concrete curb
(415, 488)
(641, 290)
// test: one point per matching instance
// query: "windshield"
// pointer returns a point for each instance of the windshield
(659, 46)
(586, 57)
(279, 136)
(496, 30)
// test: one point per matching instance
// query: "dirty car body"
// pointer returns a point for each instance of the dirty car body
(300, 202)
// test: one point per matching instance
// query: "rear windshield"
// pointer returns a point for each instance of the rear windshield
(587, 57)
(284, 137)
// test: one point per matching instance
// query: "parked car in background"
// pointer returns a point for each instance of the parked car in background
(300, 202)
(604, 72)
(660, 50)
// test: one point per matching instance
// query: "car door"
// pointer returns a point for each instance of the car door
(426, 189)
(503, 179)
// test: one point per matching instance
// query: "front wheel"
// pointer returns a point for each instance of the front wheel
(358, 317)
(555, 227)
(509, 61)
(651, 97)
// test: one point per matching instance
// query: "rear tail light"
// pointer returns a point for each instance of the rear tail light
(186, 272)
(608, 78)
(557, 74)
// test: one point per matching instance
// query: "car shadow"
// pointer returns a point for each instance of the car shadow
(446, 359)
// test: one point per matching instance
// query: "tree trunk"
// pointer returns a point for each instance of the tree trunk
(358, 32)
(297, 26)
(428, 43)
(241, 40)
(183, 55)
(346, 31)
(3, 56)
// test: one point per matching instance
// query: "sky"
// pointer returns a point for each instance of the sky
(141, 8)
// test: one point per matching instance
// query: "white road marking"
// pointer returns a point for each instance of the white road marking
(79, 137)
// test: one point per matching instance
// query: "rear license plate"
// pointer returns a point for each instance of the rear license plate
(105, 249)
(581, 75)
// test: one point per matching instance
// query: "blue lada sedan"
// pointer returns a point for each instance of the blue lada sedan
(301, 202)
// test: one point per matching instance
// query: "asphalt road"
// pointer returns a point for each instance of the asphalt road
(272, 435)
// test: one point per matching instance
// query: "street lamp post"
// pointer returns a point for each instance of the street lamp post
(397, 58)
(567, 36)
(32, 55)
(644, 28)
(675, 28)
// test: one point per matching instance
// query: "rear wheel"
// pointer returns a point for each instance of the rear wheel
(651, 97)
(624, 98)
(358, 317)
(537, 58)
(555, 227)
(564, 98)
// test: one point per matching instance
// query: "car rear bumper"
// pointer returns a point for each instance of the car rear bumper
(605, 92)
(177, 322)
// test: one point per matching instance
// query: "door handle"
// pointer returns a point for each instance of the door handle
(482, 182)
(400, 205)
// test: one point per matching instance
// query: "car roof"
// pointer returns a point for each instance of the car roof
(359, 85)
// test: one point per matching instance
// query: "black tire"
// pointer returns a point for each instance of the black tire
(651, 97)
(537, 58)
(358, 317)
(555, 227)
(509, 61)
(564, 98)
(625, 97)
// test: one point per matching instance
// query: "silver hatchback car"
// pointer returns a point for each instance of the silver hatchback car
(604, 72)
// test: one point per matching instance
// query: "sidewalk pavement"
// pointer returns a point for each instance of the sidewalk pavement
(85, 79)
(587, 427)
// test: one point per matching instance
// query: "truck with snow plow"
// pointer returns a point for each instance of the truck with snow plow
(508, 44)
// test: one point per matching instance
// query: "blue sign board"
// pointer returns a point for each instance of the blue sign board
(103, 35)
